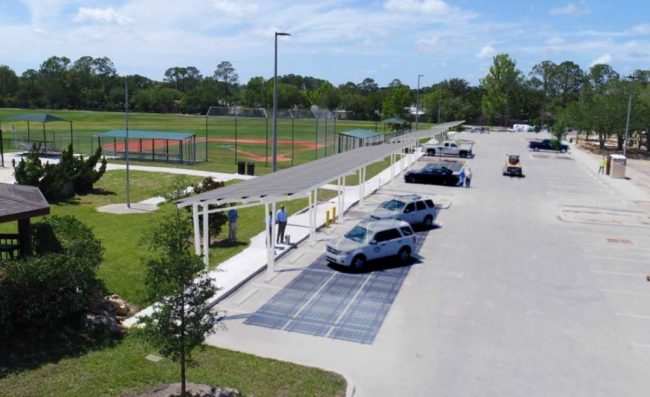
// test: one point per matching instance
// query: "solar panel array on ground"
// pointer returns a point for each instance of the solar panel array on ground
(327, 303)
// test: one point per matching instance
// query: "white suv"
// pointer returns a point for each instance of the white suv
(372, 239)
(409, 208)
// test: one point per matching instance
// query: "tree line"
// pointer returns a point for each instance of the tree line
(549, 93)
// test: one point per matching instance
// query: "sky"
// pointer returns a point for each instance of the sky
(336, 40)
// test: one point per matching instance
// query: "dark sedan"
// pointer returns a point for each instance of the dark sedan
(436, 174)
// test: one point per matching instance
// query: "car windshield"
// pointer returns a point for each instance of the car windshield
(357, 234)
(393, 205)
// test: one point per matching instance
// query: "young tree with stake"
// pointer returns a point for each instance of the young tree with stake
(177, 280)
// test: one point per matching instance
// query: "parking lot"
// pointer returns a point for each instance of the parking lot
(533, 286)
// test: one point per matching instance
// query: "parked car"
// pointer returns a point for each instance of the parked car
(370, 240)
(410, 208)
(548, 144)
(480, 130)
(448, 148)
(444, 173)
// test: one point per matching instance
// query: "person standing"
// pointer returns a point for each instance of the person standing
(233, 214)
(603, 164)
(461, 177)
(281, 220)
(468, 177)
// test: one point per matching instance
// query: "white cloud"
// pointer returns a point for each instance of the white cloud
(641, 30)
(568, 9)
(103, 16)
(486, 52)
(237, 8)
(418, 6)
(605, 58)
(555, 40)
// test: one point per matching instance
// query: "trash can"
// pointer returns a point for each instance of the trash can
(250, 168)
(241, 167)
(617, 166)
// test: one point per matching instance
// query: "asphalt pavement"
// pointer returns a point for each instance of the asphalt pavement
(528, 286)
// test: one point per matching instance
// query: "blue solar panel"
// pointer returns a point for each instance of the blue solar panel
(309, 327)
(360, 320)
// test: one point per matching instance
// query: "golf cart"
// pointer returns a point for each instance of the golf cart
(513, 166)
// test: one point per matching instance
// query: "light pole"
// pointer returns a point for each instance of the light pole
(417, 103)
(275, 102)
(627, 126)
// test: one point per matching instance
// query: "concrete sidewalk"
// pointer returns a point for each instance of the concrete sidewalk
(635, 188)
(236, 271)
(7, 173)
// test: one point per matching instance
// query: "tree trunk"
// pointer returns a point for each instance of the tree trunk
(601, 140)
(182, 336)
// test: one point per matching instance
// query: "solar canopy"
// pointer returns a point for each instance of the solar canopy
(296, 180)
(427, 133)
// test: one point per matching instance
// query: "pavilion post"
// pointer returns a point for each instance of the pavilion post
(197, 229)
(28, 133)
(360, 186)
(206, 236)
(71, 137)
(25, 234)
(2, 149)
(44, 137)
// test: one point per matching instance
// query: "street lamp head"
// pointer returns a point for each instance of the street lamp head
(282, 34)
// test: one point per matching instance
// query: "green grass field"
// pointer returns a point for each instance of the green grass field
(313, 139)
(122, 368)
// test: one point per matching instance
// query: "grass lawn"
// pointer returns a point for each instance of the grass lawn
(123, 236)
(115, 369)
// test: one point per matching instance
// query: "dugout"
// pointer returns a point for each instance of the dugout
(357, 138)
(173, 147)
(47, 146)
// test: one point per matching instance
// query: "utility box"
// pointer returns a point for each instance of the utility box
(617, 169)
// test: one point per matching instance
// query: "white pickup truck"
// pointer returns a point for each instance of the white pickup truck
(448, 148)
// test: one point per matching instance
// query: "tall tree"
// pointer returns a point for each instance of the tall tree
(397, 102)
(500, 85)
(177, 281)
(225, 73)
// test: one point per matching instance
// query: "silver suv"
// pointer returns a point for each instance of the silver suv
(372, 239)
(409, 208)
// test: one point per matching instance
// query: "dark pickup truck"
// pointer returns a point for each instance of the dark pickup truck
(548, 144)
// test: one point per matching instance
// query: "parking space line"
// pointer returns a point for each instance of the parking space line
(609, 258)
(634, 315)
(624, 274)
(617, 291)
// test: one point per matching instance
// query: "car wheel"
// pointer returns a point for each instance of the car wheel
(359, 262)
(431, 152)
(404, 253)
(428, 221)
(463, 154)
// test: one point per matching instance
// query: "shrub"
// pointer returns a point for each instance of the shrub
(62, 180)
(57, 285)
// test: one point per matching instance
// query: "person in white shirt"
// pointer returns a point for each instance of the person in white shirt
(281, 220)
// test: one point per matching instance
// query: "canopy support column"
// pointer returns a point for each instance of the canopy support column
(342, 212)
(360, 186)
(392, 166)
(197, 229)
(339, 200)
(311, 219)
(271, 263)
(206, 236)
